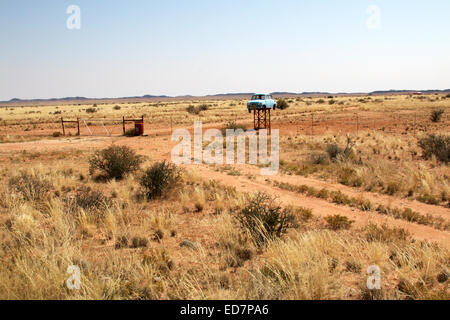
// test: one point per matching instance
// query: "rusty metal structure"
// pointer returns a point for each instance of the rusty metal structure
(262, 119)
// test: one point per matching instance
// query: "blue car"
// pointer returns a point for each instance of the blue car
(261, 101)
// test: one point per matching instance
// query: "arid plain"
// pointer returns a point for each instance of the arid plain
(365, 180)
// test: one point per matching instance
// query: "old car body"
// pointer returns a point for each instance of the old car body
(261, 101)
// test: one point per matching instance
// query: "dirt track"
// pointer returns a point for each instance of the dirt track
(159, 148)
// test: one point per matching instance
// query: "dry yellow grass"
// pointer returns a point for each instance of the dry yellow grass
(41, 238)
(129, 248)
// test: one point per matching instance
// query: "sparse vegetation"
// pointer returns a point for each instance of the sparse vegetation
(436, 145)
(159, 179)
(196, 110)
(115, 162)
(264, 219)
(190, 242)
(338, 222)
(32, 186)
(436, 115)
(282, 104)
(338, 154)
(232, 125)
(91, 110)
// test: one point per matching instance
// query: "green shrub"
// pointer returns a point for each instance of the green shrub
(91, 200)
(192, 110)
(337, 153)
(203, 107)
(282, 104)
(333, 151)
(91, 110)
(115, 162)
(436, 115)
(264, 219)
(160, 178)
(437, 145)
(338, 222)
(196, 110)
(429, 199)
(323, 194)
(121, 242)
(139, 242)
(339, 198)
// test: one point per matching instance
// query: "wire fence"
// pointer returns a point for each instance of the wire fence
(316, 123)
(309, 123)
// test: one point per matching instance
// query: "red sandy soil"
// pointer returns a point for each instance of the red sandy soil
(159, 148)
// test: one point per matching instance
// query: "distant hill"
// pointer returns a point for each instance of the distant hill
(146, 97)
(409, 92)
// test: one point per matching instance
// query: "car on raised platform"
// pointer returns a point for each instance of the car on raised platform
(261, 101)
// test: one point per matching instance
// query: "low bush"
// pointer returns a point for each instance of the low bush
(160, 178)
(337, 153)
(196, 110)
(91, 110)
(203, 107)
(282, 104)
(31, 186)
(139, 242)
(115, 162)
(192, 110)
(436, 115)
(56, 134)
(338, 222)
(385, 234)
(437, 145)
(91, 200)
(264, 219)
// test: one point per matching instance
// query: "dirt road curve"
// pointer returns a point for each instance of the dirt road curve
(159, 148)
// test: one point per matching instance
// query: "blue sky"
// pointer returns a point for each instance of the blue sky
(177, 47)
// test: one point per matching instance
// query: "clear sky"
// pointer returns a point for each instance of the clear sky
(198, 47)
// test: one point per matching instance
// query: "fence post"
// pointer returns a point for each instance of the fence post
(123, 124)
(62, 124)
(312, 124)
(78, 126)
